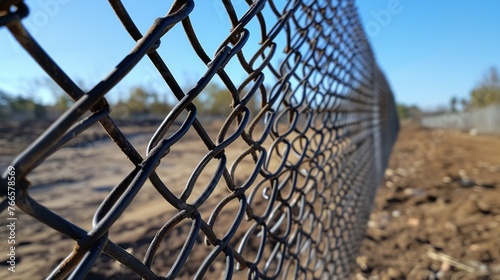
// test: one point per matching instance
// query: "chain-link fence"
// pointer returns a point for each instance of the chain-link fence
(314, 152)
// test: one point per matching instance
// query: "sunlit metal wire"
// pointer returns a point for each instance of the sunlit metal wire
(319, 143)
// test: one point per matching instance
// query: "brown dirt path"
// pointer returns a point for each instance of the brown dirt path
(437, 215)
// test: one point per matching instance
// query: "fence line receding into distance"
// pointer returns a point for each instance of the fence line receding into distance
(317, 146)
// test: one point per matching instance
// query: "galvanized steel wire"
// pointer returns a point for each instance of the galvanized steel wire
(329, 116)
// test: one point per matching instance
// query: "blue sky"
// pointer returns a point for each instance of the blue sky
(429, 50)
(432, 50)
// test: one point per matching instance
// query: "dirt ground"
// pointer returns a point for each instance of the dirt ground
(437, 214)
(73, 182)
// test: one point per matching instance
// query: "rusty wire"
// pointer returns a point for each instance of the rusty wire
(329, 116)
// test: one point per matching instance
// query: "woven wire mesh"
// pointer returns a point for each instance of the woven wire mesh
(317, 146)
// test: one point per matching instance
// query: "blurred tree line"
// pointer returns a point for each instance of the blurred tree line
(214, 100)
(408, 111)
(20, 106)
(139, 103)
(486, 93)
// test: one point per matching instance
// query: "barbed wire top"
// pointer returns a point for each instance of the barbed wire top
(304, 172)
